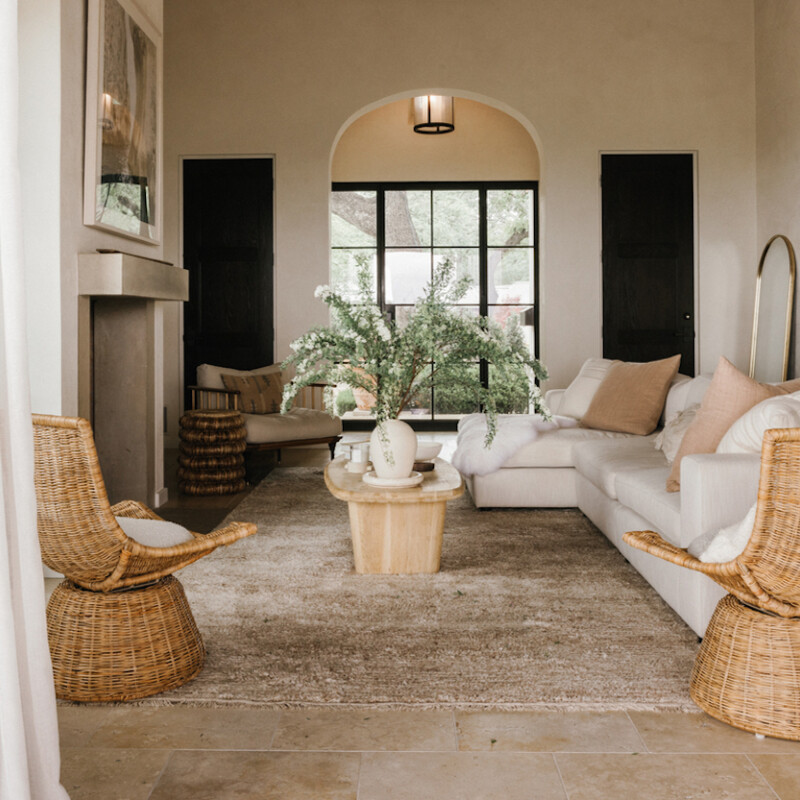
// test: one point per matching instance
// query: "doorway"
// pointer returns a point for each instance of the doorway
(228, 250)
(648, 257)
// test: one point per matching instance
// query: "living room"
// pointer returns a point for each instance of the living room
(715, 79)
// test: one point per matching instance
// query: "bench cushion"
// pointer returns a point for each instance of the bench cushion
(297, 424)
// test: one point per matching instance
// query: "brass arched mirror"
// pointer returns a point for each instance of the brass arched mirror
(772, 320)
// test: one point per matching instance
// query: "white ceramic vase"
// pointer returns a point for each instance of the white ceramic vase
(392, 449)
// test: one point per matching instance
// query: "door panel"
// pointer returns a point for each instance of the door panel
(228, 252)
(648, 258)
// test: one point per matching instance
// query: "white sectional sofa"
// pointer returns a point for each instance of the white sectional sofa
(619, 482)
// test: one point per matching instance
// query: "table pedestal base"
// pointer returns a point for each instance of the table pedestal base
(397, 538)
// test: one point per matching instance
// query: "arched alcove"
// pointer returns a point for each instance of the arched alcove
(487, 144)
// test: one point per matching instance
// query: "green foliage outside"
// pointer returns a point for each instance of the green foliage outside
(344, 401)
(436, 346)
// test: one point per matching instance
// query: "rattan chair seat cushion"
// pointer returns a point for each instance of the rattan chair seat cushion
(122, 645)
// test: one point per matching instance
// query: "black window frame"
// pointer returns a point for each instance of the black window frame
(482, 187)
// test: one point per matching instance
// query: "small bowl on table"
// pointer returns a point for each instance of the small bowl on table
(427, 450)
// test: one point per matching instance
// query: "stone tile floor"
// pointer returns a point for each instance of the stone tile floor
(186, 753)
(174, 752)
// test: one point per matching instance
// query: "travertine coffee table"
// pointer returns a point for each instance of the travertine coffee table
(396, 531)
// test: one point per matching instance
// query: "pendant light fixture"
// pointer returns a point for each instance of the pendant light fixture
(433, 113)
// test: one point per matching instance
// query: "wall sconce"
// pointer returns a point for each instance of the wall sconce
(433, 113)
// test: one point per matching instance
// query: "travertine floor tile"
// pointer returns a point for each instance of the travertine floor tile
(644, 776)
(465, 776)
(677, 732)
(189, 728)
(100, 774)
(213, 775)
(76, 724)
(347, 729)
(782, 774)
(548, 731)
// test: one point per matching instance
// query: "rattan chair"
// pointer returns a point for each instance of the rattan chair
(747, 671)
(119, 625)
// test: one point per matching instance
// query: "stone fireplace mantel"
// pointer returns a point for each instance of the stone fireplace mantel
(121, 364)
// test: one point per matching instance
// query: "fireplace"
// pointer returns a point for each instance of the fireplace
(121, 367)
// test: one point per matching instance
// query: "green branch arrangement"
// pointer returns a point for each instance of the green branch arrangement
(438, 344)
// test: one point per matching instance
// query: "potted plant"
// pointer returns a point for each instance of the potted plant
(437, 344)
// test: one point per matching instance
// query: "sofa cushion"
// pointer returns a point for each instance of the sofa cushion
(578, 395)
(730, 394)
(258, 394)
(631, 397)
(644, 492)
(601, 462)
(297, 424)
(554, 448)
(747, 433)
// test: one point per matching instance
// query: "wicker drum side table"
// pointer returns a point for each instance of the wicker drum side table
(212, 452)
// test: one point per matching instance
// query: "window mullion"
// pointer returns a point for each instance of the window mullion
(483, 271)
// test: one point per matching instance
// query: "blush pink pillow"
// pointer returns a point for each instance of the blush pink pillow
(730, 394)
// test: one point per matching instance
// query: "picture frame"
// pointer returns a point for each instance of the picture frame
(123, 139)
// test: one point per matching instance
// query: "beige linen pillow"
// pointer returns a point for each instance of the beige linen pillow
(258, 394)
(730, 394)
(631, 398)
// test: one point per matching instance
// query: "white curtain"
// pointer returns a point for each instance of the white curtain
(29, 757)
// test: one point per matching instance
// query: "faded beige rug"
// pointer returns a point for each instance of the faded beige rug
(531, 609)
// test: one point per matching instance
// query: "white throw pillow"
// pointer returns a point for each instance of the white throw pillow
(154, 532)
(727, 543)
(669, 440)
(210, 377)
(747, 433)
(578, 395)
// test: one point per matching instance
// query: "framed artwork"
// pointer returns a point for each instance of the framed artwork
(122, 170)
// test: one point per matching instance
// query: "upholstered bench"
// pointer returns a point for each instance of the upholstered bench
(255, 393)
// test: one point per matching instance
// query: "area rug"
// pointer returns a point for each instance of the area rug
(531, 609)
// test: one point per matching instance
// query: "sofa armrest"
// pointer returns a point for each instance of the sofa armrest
(553, 399)
(716, 490)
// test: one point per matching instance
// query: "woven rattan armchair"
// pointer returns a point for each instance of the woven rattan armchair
(747, 672)
(119, 625)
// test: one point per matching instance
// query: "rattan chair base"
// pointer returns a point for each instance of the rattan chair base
(747, 671)
(122, 645)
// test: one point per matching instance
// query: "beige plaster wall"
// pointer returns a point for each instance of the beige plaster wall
(778, 131)
(52, 36)
(582, 78)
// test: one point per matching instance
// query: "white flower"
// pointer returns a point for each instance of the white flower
(322, 291)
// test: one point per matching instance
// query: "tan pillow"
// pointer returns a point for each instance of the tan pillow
(730, 394)
(258, 394)
(631, 397)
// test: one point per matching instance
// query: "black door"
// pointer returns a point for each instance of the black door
(648, 258)
(227, 248)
